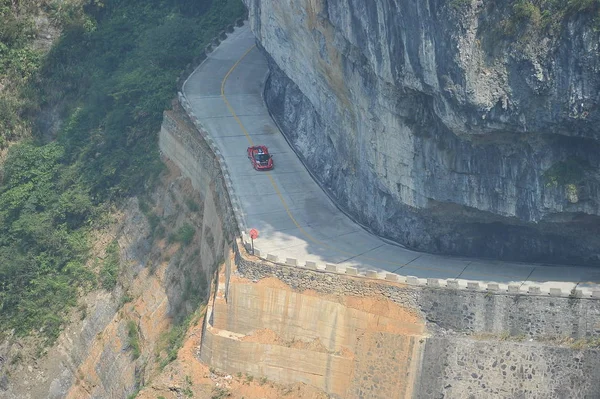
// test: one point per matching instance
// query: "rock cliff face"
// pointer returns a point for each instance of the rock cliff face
(431, 126)
(161, 282)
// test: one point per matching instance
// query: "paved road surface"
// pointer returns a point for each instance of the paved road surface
(294, 216)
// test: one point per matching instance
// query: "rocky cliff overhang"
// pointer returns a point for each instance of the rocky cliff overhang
(449, 126)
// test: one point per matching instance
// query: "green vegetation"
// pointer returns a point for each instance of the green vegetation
(110, 77)
(157, 229)
(572, 171)
(220, 393)
(184, 235)
(19, 61)
(171, 343)
(458, 5)
(547, 16)
(172, 340)
(43, 241)
(585, 343)
(111, 266)
(126, 298)
(133, 339)
(187, 391)
(192, 205)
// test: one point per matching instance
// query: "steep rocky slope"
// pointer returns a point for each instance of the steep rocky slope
(458, 127)
(119, 340)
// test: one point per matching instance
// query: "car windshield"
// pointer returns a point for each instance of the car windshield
(262, 157)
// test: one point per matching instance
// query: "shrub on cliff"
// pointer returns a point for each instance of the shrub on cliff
(184, 235)
(547, 16)
(110, 77)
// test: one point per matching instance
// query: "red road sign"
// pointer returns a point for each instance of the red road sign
(253, 234)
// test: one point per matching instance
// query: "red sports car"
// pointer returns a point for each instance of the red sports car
(260, 157)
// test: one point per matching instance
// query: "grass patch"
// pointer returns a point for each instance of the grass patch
(586, 343)
(154, 220)
(111, 266)
(220, 393)
(126, 298)
(192, 205)
(171, 341)
(184, 235)
(133, 339)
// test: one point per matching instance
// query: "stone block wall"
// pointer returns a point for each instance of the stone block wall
(459, 311)
(472, 369)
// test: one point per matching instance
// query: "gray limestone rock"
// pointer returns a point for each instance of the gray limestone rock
(433, 128)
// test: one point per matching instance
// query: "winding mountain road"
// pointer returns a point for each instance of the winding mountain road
(296, 219)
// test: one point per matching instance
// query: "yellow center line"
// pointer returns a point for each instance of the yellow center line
(273, 183)
(289, 212)
(231, 111)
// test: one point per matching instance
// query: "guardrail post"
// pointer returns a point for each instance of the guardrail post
(534, 290)
(452, 284)
(433, 282)
(291, 262)
(514, 289)
(493, 287)
(555, 292)
(311, 265)
(412, 280)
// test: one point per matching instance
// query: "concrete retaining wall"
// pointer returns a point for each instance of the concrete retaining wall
(226, 351)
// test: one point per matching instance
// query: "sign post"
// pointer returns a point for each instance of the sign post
(253, 236)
